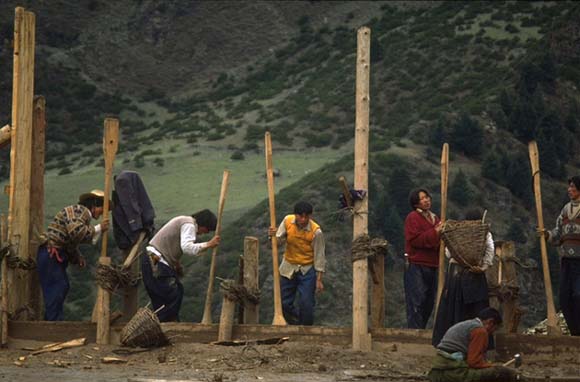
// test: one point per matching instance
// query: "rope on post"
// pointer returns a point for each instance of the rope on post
(364, 247)
(239, 293)
(112, 277)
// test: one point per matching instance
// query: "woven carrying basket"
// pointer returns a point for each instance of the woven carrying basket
(465, 240)
(144, 330)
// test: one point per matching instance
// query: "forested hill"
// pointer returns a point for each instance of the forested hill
(486, 77)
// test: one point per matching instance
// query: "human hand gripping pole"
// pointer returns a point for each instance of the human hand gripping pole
(278, 314)
(206, 320)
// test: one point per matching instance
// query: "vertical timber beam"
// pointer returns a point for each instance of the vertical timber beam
(251, 277)
(361, 338)
(37, 199)
(20, 155)
(110, 145)
(378, 292)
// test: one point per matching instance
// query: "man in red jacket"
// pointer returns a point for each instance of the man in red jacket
(422, 228)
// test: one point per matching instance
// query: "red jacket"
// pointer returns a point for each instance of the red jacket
(421, 240)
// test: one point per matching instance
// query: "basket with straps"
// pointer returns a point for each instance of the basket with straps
(465, 240)
(144, 330)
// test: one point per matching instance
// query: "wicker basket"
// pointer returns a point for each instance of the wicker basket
(144, 330)
(465, 240)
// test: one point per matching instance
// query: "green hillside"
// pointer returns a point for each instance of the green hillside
(486, 77)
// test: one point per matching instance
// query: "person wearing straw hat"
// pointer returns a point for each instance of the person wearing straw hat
(465, 293)
(422, 228)
(70, 227)
(303, 264)
(161, 268)
(566, 235)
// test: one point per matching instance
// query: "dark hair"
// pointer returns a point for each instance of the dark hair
(303, 208)
(576, 181)
(205, 218)
(414, 197)
(94, 201)
(474, 214)
(490, 313)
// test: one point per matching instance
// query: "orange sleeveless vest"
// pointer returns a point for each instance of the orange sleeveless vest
(299, 248)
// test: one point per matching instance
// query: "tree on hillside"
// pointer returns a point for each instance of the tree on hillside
(392, 230)
(518, 175)
(506, 102)
(467, 136)
(399, 186)
(460, 191)
(492, 167)
(438, 133)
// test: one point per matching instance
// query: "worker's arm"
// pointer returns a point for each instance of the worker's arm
(478, 342)
(188, 244)
(319, 248)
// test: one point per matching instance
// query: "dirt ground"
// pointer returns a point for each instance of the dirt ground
(290, 361)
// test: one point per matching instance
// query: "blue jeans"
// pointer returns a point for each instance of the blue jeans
(164, 289)
(570, 293)
(305, 285)
(54, 283)
(420, 290)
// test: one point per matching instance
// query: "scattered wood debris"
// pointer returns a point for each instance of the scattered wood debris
(60, 345)
(113, 360)
(266, 341)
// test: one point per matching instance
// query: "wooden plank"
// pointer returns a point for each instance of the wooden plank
(345, 191)
(378, 292)
(21, 154)
(37, 200)
(251, 277)
(361, 339)
(552, 324)
(5, 135)
(444, 184)
(226, 319)
(278, 314)
(206, 319)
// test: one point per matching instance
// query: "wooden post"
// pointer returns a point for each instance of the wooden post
(206, 320)
(378, 292)
(131, 292)
(251, 277)
(21, 155)
(37, 200)
(226, 319)
(535, 165)
(278, 313)
(240, 310)
(444, 184)
(5, 133)
(361, 338)
(110, 145)
(4, 290)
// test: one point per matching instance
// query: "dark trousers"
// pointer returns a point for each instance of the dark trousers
(305, 285)
(570, 293)
(164, 289)
(54, 283)
(420, 291)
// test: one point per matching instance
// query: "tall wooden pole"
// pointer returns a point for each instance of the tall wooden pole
(535, 164)
(206, 320)
(444, 184)
(251, 277)
(361, 338)
(278, 314)
(37, 199)
(20, 155)
(110, 145)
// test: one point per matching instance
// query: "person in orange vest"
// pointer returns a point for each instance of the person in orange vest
(302, 265)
